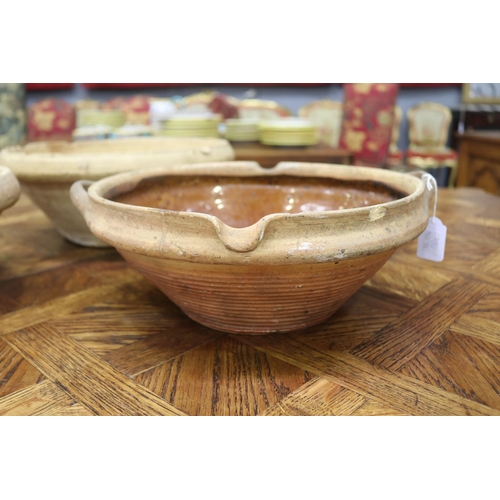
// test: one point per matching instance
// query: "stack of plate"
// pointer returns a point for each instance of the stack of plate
(91, 132)
(132, 130)
(288, 132)
(191, 126)
(238, 129)
(113, 118)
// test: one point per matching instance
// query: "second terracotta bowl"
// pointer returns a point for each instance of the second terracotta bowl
(244, 249)
(47, 170)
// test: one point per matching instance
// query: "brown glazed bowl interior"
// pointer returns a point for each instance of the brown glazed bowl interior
(241, 202)
(245, 249)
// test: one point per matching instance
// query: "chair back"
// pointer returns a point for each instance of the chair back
(429, 125)
(327, 116)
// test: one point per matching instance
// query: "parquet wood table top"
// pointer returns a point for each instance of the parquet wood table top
(81, 333)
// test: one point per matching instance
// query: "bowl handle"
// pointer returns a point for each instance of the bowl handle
(79, 195)
(432, 187)
(417, 173)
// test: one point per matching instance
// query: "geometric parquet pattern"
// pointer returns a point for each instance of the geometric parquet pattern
(81, 333)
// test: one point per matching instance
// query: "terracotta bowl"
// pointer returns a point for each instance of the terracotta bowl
(46, 170)
(244, 249)
(10, 189)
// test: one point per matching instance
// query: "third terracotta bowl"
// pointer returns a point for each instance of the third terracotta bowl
(244, 249)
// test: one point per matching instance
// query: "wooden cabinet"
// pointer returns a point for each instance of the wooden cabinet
(470, 118)
(479, 161)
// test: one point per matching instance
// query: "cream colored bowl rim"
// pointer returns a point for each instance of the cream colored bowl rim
(68, 161)
(242, 240)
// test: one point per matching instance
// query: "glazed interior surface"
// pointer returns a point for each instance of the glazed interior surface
(243, 201)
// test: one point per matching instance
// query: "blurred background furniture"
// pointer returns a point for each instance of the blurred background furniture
(327, 116)
(429, 127)
(323, 104)
(396, 156)
(269, 156)
(367, 122)
(479, 161)
(470, 117)
(51, 119)
(291, 96)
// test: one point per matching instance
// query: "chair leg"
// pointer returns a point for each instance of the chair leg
(453, 175)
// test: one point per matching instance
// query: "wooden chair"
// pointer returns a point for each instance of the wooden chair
(396, 157)
(429, 125)
(327, 116)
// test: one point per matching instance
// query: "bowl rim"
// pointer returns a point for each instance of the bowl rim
(249, 169)
(248, 239)
(69, 161)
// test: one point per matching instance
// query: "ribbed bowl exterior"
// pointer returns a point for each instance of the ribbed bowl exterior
(258, 299)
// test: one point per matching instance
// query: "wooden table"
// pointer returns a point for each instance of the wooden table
(269, 156)
(81, 333)
(479, 161)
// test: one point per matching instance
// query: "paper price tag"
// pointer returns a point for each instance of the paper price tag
(432, 241)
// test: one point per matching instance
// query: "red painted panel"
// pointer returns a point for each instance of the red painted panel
(96, 86)
(102, 86)
(417, 85)
(49, 86)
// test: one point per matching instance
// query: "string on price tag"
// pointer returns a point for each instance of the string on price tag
(431, 243)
